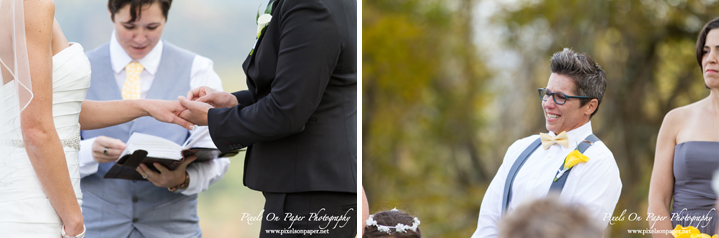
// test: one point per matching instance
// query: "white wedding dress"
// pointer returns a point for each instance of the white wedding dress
(25, 210)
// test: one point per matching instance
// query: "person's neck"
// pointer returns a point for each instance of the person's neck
(578, 125)
(713, 99)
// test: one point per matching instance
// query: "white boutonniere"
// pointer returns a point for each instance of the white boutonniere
(262, 22)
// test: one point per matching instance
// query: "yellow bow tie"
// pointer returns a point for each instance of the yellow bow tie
(560, 139)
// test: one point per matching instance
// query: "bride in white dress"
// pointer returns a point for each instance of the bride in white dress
(41, 97)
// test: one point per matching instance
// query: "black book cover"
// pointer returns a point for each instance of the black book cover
(125, 167)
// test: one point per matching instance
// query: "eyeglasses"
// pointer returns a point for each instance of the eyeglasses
(559, 98)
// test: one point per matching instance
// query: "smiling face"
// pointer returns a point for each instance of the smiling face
(569, 115)
(139, 37)
(710, 59)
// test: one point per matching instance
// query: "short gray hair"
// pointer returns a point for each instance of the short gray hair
(588, 76)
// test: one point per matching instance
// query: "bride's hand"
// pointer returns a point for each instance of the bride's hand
(212, 97)
(167, 111)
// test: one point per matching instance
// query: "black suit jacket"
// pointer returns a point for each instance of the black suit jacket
(299, 114)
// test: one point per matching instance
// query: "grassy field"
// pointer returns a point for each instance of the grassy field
(222, 206)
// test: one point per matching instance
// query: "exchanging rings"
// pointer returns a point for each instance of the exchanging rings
(144, 176)
(105, 151)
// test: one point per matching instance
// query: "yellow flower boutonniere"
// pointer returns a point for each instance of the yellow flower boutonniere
(689, 232)
(575, 157)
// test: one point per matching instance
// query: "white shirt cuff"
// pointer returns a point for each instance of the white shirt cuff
(192, 188)
(88, 165)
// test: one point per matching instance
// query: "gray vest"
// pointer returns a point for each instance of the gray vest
(123, 208)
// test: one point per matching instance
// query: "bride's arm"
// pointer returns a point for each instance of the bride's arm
(39, 135)
(99, 114)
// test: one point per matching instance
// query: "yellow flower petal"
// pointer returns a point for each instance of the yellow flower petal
(574, 158)
(681, 235)
(687, 232)
(702, 235)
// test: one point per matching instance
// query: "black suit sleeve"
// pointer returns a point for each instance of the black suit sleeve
(309, 47)
(244, 98)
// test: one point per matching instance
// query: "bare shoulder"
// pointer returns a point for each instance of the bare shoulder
(674, 121)
(687, 112)
(39, 7)
(677, 116)
(682, 122)
(39, 15)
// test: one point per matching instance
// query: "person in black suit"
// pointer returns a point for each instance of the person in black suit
(298, 117)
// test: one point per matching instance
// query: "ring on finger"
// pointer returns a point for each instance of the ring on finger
(104, 151)
(144, 176)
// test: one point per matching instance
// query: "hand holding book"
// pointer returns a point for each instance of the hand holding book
(148, 150)
(166, 178)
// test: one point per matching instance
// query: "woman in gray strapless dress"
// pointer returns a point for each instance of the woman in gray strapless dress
(687, 153)
(694, 165)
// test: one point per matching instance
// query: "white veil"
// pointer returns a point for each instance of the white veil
(16, 87)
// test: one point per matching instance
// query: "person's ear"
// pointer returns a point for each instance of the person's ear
(591, 106)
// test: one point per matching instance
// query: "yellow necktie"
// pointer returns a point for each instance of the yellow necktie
(131, 87)
(560, 139)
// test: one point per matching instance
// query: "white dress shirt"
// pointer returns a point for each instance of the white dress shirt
(595, 184)
(202, 175)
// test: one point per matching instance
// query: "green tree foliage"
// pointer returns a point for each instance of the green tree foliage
(422, 97)
(436, 124)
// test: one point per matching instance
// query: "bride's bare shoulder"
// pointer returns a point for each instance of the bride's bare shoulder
(39, 15)
(39, 7)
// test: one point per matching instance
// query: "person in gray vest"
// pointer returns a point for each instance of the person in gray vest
(535, 165)
(137, 64)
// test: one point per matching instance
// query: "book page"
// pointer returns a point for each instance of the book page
(199, 138)
(155, 146)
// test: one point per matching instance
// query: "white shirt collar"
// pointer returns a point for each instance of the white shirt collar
(119, 58)
(578, 134)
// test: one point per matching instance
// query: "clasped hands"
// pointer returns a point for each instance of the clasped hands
(191, 110)
(200, 100)
(185, 112)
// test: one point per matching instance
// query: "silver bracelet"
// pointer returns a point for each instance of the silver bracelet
(81, 235)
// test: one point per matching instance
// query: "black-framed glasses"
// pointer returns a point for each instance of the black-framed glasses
(559, 98)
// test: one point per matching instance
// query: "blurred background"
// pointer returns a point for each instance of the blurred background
(222, 30)
(448, 85)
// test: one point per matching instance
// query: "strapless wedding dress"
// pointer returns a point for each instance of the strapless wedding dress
(25, 210)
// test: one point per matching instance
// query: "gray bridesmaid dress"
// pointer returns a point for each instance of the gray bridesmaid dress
(694, 165)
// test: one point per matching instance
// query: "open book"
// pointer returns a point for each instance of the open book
(149, 149)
